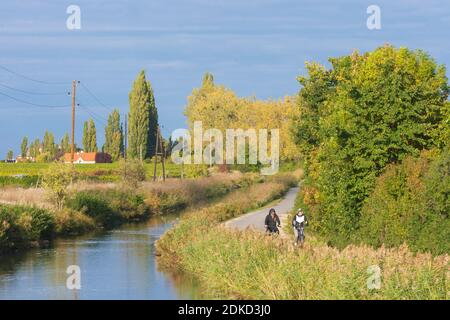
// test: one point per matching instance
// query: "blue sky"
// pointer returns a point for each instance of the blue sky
(255, 47)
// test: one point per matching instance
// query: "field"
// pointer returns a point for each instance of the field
(33, 169)
(27, 174)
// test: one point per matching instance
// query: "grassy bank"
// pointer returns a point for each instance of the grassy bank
(29, 219)
(250, 265)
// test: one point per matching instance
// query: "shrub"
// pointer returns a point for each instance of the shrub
(128, 204)
(70, 222)
(95, 206)
(132, 172)
(410, 203)
(110, 207)
(55, 181)
(21, 224)
(195, 170)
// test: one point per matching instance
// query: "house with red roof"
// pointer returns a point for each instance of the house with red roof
(88, 157)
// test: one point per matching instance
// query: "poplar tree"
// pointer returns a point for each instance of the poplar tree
(114, 136)
(143, 119)
(10, 155)
(24, 147)
(86, 138)
(35, 148)
(89, 136)
(92, 136)
(65, 145)
(49, 145)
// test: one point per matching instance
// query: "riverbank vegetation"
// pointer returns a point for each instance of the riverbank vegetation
(249, 265)
(232, 264)
(197, 223)
(30, 216)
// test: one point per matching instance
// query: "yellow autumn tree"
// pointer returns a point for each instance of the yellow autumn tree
(219, 107)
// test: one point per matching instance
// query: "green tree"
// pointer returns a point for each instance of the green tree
(86, 138)
(56, 180)
(49, 147)
(10, 155)
(143, 119)
(89, 136)
(114, 136)
(92, 136)
(24, 147)
(364, 113)
(65, 144)
(35, 148)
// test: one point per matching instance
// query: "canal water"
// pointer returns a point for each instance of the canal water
(116, 264)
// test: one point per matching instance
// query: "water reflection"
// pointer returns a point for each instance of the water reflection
(117, 264)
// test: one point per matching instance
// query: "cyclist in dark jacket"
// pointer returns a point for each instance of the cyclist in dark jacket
(272, 222)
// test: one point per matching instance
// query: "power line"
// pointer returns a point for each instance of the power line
(30, 79)
(31, 103)
(95, 97)
(33, 93)
(92, 113)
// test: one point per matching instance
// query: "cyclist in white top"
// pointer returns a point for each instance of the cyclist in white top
(299, 223)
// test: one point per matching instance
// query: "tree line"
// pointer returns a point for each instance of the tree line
(218, 107)
(141, 135)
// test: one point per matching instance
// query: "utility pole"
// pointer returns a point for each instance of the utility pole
(156, 154)
(159, 146)
(72, 147)
(125, 137)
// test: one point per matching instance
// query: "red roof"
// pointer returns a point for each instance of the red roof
(98, 157)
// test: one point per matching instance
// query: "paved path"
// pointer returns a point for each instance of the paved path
(255, 219)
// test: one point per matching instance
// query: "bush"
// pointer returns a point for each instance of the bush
(109, 207)
(195, 170)
(410, 203)
(20, 225)
(93, 204)
(132, 172)
(55, 180)
(129, 205)
(70, 222)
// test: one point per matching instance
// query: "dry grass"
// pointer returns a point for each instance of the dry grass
(192, 190)
(249, 265)
(33, 197)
